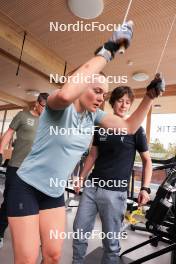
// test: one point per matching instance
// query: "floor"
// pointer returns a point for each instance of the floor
(133, 238)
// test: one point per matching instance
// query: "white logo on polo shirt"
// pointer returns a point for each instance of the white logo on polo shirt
(122, 139)
(30, 122)
(103, 137)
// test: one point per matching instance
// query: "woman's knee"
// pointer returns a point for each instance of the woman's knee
(51, 257)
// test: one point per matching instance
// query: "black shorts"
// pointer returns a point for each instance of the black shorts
(23, 199)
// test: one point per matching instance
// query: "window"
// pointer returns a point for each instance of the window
(163, 136)
(10, 115)
(1, 119)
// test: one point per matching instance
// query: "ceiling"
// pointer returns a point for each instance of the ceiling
(17, 85)
(152, 21)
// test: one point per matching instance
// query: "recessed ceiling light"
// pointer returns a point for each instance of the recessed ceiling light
(32, 92)
(86, 9)
(140, 76)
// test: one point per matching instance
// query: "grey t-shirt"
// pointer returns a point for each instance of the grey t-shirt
(25, 126)
(62, 137)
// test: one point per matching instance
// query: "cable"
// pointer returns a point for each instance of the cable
(167, 39)
(19, 63)
(128, 9)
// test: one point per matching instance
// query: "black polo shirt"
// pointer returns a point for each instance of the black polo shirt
(116, 155)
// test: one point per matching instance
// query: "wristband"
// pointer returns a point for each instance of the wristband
(148, 190)
(103, 52)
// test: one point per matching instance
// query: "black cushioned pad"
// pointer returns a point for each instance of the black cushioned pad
(95, 257)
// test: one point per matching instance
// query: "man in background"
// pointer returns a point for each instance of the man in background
(25, 125)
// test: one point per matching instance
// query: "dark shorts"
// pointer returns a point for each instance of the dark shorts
(23, 199)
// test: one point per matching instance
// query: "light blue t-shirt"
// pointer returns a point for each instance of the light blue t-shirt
(61, 139)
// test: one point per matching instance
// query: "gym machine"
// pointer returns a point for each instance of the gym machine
(161, 218)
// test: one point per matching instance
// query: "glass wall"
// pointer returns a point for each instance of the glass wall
(9, 116)
(163, 136)
(6, 117)
(162, 146)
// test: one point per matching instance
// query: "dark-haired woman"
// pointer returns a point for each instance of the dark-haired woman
(105, 190)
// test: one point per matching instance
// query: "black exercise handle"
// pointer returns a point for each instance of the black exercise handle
(166, 166)
(173, 159)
